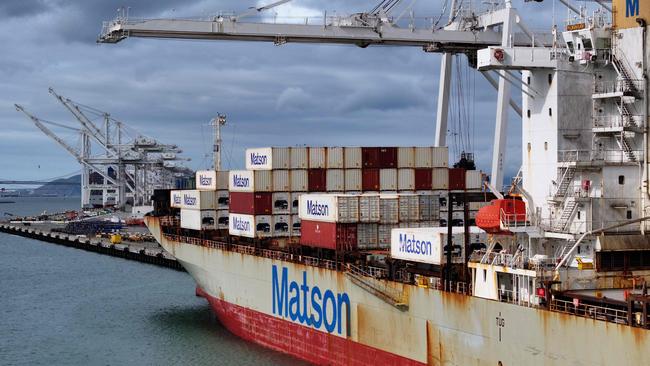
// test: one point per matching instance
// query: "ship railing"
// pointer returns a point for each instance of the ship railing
(628, 121)
(514, 220)
(501, 258)
(571, 156)
(449, 286)
(589, 311)
(518, 298)
(617, 156)
(618, 86)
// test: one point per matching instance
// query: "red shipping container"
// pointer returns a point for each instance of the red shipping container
(370, 157)
(457, 179)
(328, 235)
(317, 180)
(249, 203)
(423, 179)
(387, 157)
(370, 179)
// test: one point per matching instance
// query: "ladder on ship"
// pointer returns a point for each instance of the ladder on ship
(372, 285)
(567, 214)
(565, 182)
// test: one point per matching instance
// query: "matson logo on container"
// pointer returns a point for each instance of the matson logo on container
(241, 225)
(190, 199)
(259, 159)
(420, 245)
(206, 180)
(309, 305)
(241, 181)
(318, 207)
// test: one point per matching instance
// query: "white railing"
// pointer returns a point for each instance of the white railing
(571, 156)
(618, 86)
(618, 121)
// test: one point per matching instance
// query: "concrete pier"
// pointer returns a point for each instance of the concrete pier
(131, 251)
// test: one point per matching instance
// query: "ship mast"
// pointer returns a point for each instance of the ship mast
(216, 123)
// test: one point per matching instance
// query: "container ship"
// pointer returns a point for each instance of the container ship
(389, 255)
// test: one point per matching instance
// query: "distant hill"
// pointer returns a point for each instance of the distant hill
(68, 187)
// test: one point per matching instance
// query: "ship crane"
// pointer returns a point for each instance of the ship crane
(465, 33)
(140, 164)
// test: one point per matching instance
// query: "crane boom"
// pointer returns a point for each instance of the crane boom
(361, 30)
(62, 143)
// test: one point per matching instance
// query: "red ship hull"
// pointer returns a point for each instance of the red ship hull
(302, 342)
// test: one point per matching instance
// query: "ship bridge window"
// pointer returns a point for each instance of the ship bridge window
(570, 45)
(586, 42)
(629, 214)
(621, 179)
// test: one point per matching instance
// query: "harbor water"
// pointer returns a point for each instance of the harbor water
(63, 306)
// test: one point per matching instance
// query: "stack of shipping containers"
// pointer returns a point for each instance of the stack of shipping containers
(390, 187)
(206, 207)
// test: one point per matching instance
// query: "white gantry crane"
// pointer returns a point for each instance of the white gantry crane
(126, 169)
(466, 32)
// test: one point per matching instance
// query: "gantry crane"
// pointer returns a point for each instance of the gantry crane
(130, 168)
(465, 33)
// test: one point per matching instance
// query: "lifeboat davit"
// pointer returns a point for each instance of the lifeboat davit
(511, 210)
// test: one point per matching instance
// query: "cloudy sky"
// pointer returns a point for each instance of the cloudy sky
(288, 95)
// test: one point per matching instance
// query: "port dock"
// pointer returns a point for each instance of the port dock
(144, 252)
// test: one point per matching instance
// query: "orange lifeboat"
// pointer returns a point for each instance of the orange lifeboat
(511, 210)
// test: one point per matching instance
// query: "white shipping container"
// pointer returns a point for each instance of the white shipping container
(335, 158)
(388, 209)
(241, 181)
(295, 202)
(473, 180)
(264, 226)
(369, 208)
(475, 206)
(206, 180)
(353, 180)
(295, 225)
(222, 179)
(223, 217)
(335, 180)
(281, 181)
(329, 208)
(384, 235)
(388, 179)
(352, 157)
(409, 207)
(268, 158)
(423, 157)
(317, 158)
(429, 207)
(281, 203)
(223, 200)
(242, 225)
(406, 179)
(194, 199)
(440, 157)
(299, 180)
(405, 157)
(198, 219)
(299, 158)
(367, 236)
(425, 245)
(281, 225)
(440, 178)
(263, 181)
